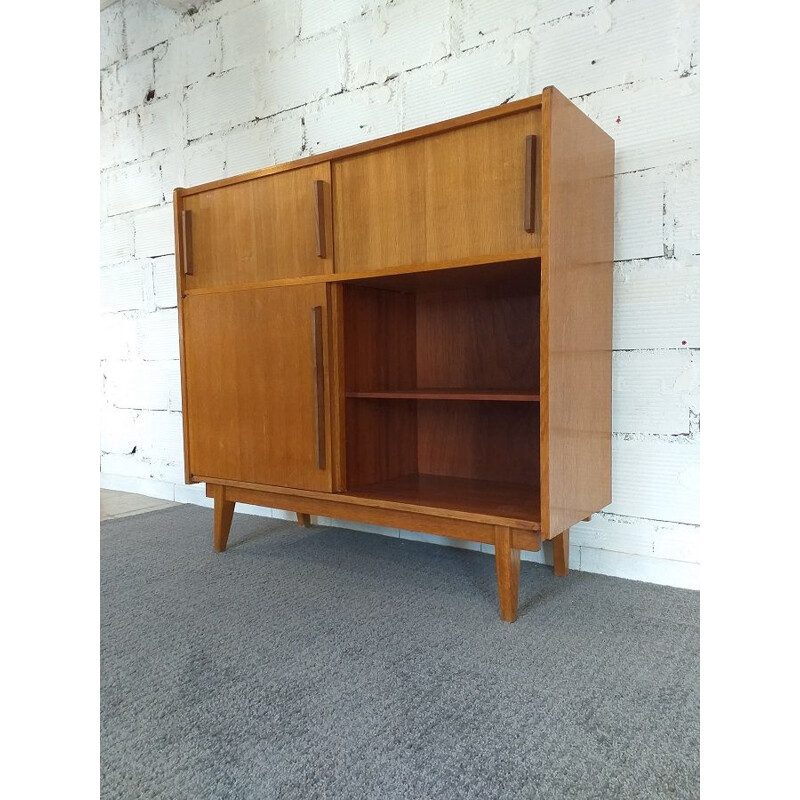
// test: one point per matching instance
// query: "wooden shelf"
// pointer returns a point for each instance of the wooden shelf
(449, 394)
(464, 495)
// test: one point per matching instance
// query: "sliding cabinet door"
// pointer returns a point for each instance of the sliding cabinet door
(257, 393)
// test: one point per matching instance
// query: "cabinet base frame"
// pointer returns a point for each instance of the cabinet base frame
(507, 540)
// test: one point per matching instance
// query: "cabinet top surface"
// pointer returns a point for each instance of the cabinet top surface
(375, 144)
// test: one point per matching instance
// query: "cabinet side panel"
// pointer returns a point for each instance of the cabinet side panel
(177, 205)
(577, 271)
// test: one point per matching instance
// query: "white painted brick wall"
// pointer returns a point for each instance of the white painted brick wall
(116, 239)
(122, 287)
(164, 285)
(256, 30)
(387, 41)
(221, 101)
(316, 18)
(125, 84)
(156, 335)
(189, 57)
(133, 186)
(655, 391)
(143, 385)
(112, 36)
(308, 71)
(242, 84)
(161, 125)
(154, 232)
(478, 79)
(351, 117)
(269, 141)
(148, 23)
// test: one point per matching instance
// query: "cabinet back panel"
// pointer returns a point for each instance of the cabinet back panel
(379, 347)
(259, 230)
(381, 440)
(379, 339)
(481, 440)
(476, 328)
(482, 337)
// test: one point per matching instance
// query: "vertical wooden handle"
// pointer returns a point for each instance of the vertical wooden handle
(186, 242)
(530, 182)
(319, 385)
(319, 216)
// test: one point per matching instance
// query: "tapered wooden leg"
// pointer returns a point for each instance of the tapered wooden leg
(304, 520)
(223, 517)
(506, 560)
(561, 553)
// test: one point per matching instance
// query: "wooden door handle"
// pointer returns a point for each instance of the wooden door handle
(319, 385)
(530, 182)
(186, 242)
(319, 216)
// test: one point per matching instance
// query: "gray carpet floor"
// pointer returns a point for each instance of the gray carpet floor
(326, 663)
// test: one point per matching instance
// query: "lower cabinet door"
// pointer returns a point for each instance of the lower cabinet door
(257, 394)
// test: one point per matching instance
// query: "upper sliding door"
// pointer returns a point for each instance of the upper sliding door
(276, 226)
(448, 196)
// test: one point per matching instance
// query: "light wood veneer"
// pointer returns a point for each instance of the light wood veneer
(413, 332)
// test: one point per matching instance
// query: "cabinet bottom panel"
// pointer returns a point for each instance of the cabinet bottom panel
(410, 515)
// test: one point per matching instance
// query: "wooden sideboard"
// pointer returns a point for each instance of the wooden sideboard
(413, 332)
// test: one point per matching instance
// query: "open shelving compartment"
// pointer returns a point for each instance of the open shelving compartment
(441, 384)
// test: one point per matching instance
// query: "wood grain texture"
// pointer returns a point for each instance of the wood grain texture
(177, 210)
(575, 328)
(379, 350)
(476, 342)
(495, 112)
(485, 440)
(261, 230)
(475, 188)
(318, 361)
(503, 499)
(529, 203)
(303, 520)
(400, 275)
(453, 195)
(223, 517)
(379, 209)
(250, 386)
(398, 515)
(337, 387)
(462, 351)
(379, 339)
(561, 554)
(479, 335)
(470, 329)
(507, 562)
(449, 394)
(482, 516)
(186, 242)
(319, 218)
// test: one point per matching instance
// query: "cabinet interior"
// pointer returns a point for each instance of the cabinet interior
(441, 384)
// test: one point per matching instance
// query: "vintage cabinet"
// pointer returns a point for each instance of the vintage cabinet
(413, 332)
